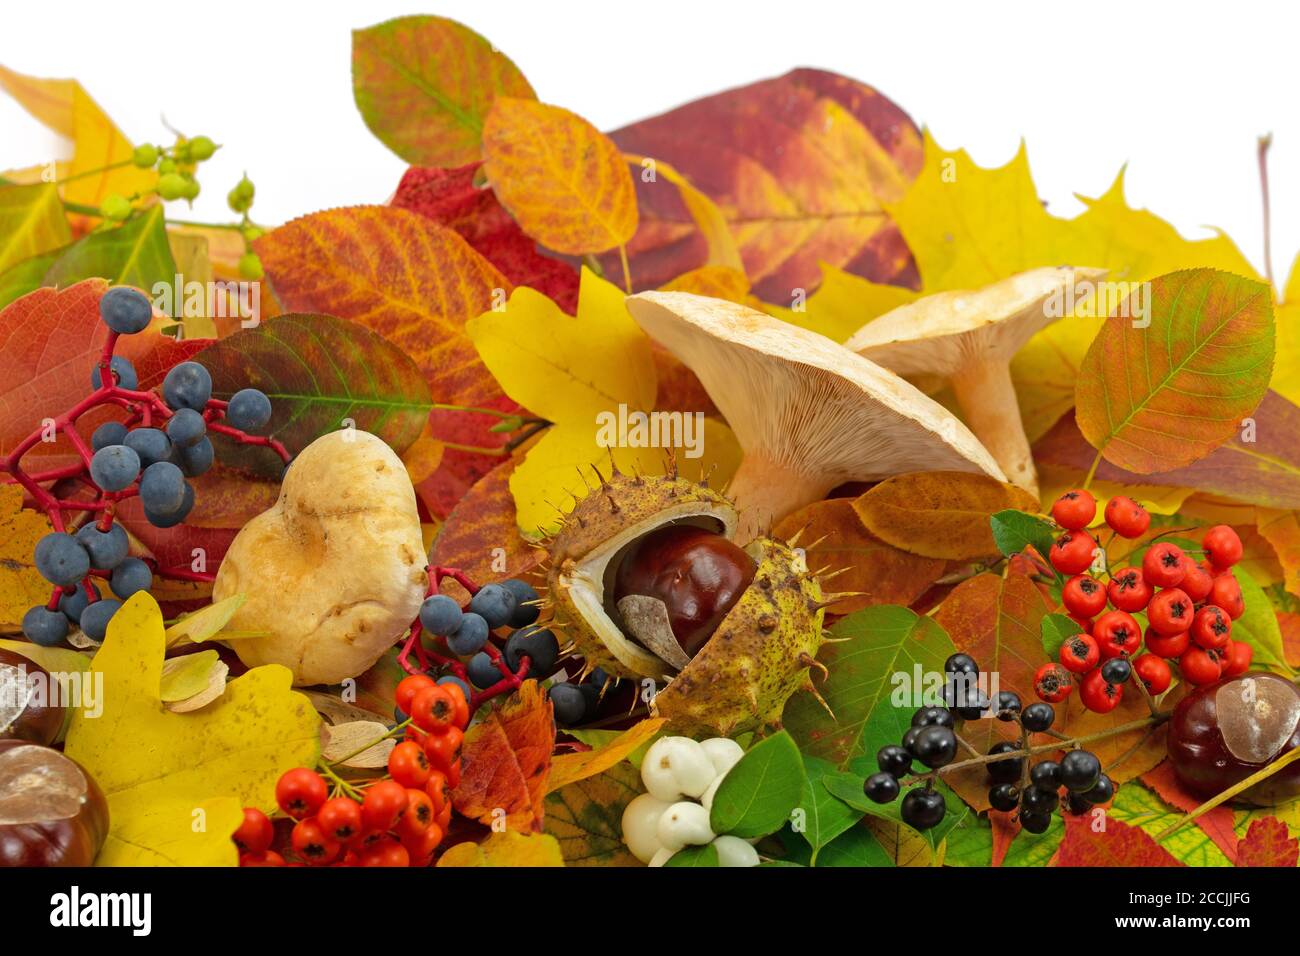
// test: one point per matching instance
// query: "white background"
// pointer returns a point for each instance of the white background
(1179, 92)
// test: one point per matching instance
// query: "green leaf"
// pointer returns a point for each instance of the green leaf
(135, 253)
(825, 815)
(706, 855)
(425, 84)
(1171, 379)
(31, 222)
(1056, 628)
(757, 795)
(27, 276)
(320, 373)
(970, 843)
(1258, 627)
(855, 847)
(882, 652)
(1013, 531)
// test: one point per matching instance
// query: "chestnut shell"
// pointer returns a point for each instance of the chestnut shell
(64, 825)
(37, 723)
(1211, 749)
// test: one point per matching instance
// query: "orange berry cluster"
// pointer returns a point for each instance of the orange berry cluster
(399, 820)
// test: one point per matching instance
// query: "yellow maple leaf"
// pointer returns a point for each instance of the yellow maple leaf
(21, 585)
(506, 848)
(65, 108)
(1286, 361)
(176, 783)
(969, 226)
(586, 374)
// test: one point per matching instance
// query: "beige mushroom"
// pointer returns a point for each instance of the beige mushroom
(969, 338)
(333, 572)
(808, 413)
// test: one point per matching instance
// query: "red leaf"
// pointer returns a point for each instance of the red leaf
(1268, 842)
(1217, 824)
(50, 342)
(1006, 826)
(799, 166)
(1117, 845)
(449, 197)
(506, 761)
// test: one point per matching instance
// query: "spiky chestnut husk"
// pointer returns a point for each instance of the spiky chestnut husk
(759, 655)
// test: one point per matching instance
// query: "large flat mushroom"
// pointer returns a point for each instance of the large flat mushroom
(808, 413)
(969, 338)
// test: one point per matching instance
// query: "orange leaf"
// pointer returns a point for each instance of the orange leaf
(506, 760)
(940, 514)
(480, 524)
(570, 768)
(1268, 842)
(884, 574)
(1117, 845)
(398, 274)
(561, 178)
(423, 456)
(1217, 823)
(21, 585)
(719, 282)
(1162, 389)
(1281, 529)
(1289, 623)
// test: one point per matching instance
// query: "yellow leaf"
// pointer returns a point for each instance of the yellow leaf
(31, 222)
(506, 848)
(562, 179)
(1286, 363)
(184, 677)
(570, 768)
(205, 623)
(21, 585)
(176, 783)
(66, 108)
(56, 660)
(586, 374)
(720, 282)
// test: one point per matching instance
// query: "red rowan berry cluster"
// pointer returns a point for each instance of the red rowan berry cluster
(1189, 607)
(398, 821)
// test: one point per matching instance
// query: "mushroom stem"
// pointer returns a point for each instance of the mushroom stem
(988, 403)
(765, 491)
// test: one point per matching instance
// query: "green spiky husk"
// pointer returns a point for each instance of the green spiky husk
(761, 652)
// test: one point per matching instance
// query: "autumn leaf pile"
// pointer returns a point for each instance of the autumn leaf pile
(476, 323)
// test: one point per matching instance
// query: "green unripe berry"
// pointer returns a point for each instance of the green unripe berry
(172, 186)
(201, 148)
(167, 167)
(252, 233)
(250, 267)
(181, 153)
(116, 208)
(145, 156)
(236, 202)
(191, 189)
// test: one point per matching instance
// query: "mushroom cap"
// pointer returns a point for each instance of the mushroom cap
(803, 402)
(942, 333)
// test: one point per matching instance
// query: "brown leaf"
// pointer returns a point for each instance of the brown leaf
(884, 575)
(506, 760)
(940, 514)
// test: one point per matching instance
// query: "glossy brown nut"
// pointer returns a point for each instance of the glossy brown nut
(51, 812)
(698, 574)
(30, 705)
(1222, 733)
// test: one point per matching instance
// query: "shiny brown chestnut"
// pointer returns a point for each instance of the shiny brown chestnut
(52, 813)
(1222, 733)
(697, 573)
(30, 708)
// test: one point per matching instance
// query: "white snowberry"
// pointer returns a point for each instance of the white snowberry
(641, 826)
(733, 851)
(684, 824)
(675, 767)
(724, 753)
